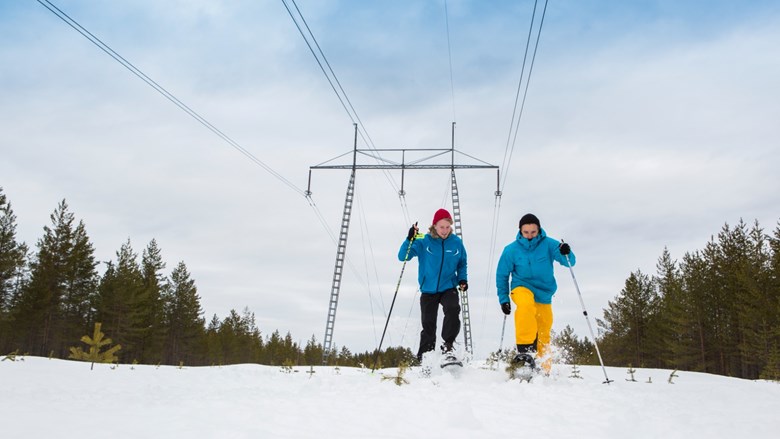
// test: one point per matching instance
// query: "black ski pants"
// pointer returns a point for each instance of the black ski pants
(429, 313)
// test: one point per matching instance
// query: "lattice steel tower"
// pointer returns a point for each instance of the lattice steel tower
(381, 163)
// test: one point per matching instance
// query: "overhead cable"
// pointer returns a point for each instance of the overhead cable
(333, 80)
(449, 53)
(515, 123)
(165, 93)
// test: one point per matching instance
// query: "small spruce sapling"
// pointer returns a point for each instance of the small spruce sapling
(631, 372)
(12, 356)
(287, 366)
(575, 372)
(95, 343)
(398, 379)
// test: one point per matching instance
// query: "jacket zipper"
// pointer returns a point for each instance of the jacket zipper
(438, 278)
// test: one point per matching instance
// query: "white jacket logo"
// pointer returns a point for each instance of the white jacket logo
(457, 252)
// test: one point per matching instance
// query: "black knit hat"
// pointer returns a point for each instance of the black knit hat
(529, 218)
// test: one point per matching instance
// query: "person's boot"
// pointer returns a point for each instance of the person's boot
(448, 357)
(525, 355)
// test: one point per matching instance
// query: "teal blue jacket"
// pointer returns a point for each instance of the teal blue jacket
(530, 265)
(442, 262)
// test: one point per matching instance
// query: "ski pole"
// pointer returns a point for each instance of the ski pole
(397, 286)
(503, 328)
(585, 313)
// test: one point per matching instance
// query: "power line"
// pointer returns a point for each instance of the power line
(512, 138)
(330, 75)
(165, 93)
(515, 125)
(449, 53)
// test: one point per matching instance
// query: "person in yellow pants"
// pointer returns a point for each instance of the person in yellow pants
(525, 274)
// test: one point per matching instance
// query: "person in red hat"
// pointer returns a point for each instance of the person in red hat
(442, 268)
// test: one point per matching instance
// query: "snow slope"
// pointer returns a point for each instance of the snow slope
(44, 398)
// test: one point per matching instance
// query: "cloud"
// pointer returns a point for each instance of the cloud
(644, 128)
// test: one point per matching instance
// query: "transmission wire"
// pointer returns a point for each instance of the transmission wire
(449, 53)
(353, 115)
(165, 93)
(513, 125)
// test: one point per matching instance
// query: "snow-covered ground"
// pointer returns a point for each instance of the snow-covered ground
(44, 398)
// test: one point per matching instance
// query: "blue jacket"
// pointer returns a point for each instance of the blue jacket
(530, 265)
(442, 262)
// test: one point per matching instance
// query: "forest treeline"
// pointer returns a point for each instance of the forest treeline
(715, 310)
(52, 296)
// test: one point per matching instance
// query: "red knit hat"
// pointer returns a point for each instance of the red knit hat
(440, 215)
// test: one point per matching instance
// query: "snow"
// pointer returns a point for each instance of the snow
(57, 398)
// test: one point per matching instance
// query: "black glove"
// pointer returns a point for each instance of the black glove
(564, 248)
(412, 232)
(464, 285)
(506, 308)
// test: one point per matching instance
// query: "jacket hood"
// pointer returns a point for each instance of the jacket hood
(533, 243)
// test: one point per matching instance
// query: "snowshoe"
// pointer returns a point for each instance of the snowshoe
(522, 367)
(449, 360)
(524, 360)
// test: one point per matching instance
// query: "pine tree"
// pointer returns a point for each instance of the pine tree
(12, 265)
(78, 304)
(690, 316)
(628, 321)
(121, 302)
(239, 338)
(575, 351)
(676, 328)
(312, 353)
(274, 350)
(214, 348)
(57, 298)
(756, 310)
(151, 333)
(185, 332)
(730, 259)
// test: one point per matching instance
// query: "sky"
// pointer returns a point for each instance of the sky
(250, 401)
(647, 125)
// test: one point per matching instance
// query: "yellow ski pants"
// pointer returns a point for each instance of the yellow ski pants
(533, 321)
